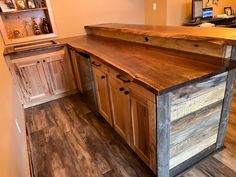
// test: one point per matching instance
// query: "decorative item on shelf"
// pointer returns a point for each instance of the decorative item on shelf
(228, 11)
(17, 34)
(31, 4)
(7, 6)
(40, 3)
(28, 29)
(45, 26)
(35, 27)
(21, 4)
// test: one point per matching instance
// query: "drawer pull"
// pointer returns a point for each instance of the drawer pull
(126, 92)
(44, 60)
(122, 89)
(103, 77)
(124, 79)
(96, 64)
(38, 61)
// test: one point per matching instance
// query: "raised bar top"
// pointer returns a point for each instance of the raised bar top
(157, 69)
(222, 36)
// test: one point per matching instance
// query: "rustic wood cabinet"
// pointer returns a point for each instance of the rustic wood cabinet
(101, 84)
(143, 117)
(75, 65)
(120, 102)
(31, 78)
(42, 77)
(59, 73)
(133, 110)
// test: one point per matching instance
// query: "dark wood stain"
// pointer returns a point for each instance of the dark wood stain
(155, 68)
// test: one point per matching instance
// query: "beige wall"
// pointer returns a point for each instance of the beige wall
(71, 16)
(158, 16)
(219, 9)
(177, 12)
(13, 161)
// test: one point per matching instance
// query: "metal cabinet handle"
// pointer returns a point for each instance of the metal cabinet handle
(38, 61)
(103, 77)
(44, 60)
(85, 55)
(96, 64)
(122, 78)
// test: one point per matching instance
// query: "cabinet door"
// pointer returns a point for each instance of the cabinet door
(102, 92)
(31, 79)
(120, 102)
(143, 117)
(75, 65)
(59, 73)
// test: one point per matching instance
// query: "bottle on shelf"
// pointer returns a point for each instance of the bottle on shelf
(45, 26)
(35, 27)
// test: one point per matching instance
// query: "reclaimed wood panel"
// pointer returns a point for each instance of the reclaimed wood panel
(195, 117)
(197, 96)
(194, 133)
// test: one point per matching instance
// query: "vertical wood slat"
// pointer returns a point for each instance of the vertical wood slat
(226, 108)
(227, 101)
(163, 135)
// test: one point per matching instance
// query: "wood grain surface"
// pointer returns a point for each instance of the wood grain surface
(68, 141)
(195, 117)
(156, 69)
(226, 36)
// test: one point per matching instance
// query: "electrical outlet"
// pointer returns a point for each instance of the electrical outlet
(154, 6)
(18, 127)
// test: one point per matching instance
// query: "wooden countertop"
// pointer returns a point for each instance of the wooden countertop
(156, 69)
(222, 36)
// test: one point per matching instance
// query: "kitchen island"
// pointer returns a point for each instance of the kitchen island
(191, 92)
(167, 100)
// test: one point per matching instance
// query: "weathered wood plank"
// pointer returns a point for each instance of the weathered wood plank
(188, 163)
(163, 135)
(226, 108)
(197, 130)
(194, 97)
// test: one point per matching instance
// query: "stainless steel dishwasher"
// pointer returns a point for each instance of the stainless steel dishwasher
(87, 81)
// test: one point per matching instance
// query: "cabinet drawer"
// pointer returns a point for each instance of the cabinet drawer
(99, 65)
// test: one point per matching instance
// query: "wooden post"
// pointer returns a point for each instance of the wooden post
(163, 135)
(227, 100)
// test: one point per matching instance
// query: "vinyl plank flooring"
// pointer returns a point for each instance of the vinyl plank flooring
(67, 140)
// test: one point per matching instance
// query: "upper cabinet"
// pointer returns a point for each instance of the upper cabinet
(24, 21)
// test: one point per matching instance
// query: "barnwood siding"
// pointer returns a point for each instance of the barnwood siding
(195, 116)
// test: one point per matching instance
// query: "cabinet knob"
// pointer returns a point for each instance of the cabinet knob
(122, 89)
(126, 92)
(38, 61)
(103, 77)
(44, 60)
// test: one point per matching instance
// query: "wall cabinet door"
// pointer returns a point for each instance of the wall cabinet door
(31, 79)
(120, 102)
(144, 127)
(102, 91)
(59, 74)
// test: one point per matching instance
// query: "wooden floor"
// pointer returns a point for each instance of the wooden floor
(67, 140)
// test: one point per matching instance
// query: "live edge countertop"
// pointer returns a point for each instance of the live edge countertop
(157, 69)
(221, 36)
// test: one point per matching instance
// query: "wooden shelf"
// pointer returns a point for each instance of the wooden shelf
(22, 11)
